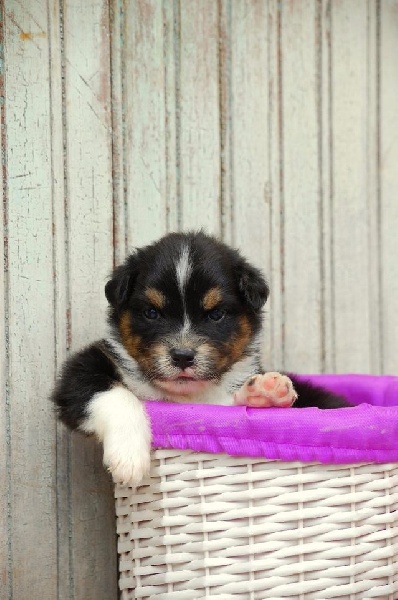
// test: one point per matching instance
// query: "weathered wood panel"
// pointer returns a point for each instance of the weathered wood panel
(388, 173)
(349, 203)
(274, 357)
(373, 185)
(144, 103)
(118, 131)
(197, 105)
(32, 524)
(325, 222)
(89, 248)
(272, 124)
(5, 464)
(58, 192)
(300, 186)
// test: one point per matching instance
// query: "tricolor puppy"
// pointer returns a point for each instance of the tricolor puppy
(185, 320)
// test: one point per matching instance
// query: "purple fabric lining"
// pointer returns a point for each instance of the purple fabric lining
(365, 432)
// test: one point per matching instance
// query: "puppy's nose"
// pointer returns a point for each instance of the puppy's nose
(182, 357)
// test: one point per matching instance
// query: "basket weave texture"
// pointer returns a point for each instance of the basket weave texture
(222, 527)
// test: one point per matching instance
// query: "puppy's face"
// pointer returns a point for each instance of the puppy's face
(186, 309)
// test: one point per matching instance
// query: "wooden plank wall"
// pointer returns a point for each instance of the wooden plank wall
(271, 124)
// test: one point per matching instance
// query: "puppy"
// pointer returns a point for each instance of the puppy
(185, 320)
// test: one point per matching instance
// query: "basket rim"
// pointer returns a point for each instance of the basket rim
(365, 432)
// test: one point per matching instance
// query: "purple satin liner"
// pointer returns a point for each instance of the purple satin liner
(365, 432)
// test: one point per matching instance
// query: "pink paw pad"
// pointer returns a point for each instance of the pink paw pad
(263, 391)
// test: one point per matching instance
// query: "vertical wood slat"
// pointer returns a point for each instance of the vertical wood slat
(326, 222)
(5, 469)
(60, 283)
(5, 466)
(301, 286)
(388, 161)
(350, 216)
(275, 140)
(247, 120)
(373, 185)
(198, 106)
(118, 134)
(144, 67)
(171, 21)
(90, 246)
(33, 527)
(345, 202)
(144, 88)
(5, 582)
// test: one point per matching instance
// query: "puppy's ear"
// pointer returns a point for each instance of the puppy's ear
(252, 286)
(120, 286)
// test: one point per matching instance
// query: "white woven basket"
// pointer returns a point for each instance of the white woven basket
(215, 526)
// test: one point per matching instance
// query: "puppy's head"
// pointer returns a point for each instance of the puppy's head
(186, 309)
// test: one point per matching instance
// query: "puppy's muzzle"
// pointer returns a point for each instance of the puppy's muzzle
(182, 357)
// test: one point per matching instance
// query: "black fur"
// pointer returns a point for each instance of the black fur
(252, 286)
(313, 395)
(85, 374)
(119, 288)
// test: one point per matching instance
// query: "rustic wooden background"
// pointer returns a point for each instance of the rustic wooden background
(273, 124)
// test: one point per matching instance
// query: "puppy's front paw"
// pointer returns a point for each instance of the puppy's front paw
(263, 391)
(118, 419)
(128, 460)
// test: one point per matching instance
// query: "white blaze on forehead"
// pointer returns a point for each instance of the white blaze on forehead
(183, 268)
(186, 327)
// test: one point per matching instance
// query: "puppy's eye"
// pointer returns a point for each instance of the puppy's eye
(216, 314)
(151, 313)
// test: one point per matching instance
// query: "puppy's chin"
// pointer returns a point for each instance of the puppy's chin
(182, 386)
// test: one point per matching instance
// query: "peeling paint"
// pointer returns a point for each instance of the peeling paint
(30, 35)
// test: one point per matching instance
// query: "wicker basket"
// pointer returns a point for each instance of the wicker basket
(274, 523)
(215, 526)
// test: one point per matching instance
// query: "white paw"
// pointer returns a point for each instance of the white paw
(127, 459)
(263, 391)
(119, 421)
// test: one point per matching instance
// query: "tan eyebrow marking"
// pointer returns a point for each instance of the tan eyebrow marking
(155, 297)
(212, 298)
